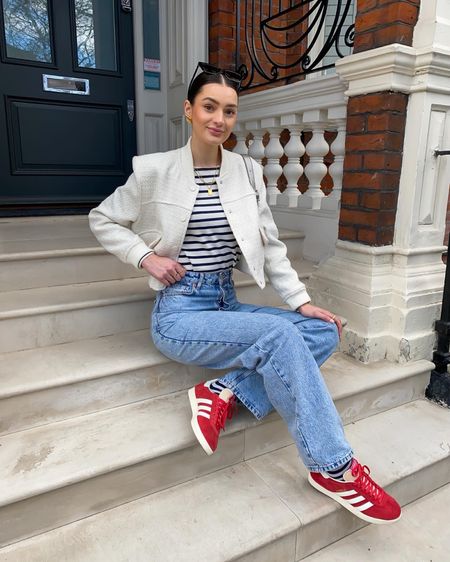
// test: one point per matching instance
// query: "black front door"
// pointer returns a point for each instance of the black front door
(67, 110)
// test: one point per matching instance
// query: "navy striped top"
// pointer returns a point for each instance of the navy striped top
(209, 244)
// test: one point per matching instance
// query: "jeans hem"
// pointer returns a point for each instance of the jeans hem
(242, 399)
(331, 465)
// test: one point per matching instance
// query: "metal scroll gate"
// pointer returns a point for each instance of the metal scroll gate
(284, 40)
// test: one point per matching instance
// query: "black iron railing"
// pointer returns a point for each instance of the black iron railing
(439, 388)
(282, 42)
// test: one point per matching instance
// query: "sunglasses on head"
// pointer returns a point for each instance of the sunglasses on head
(232, 75)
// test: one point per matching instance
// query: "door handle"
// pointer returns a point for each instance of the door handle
(130, 110)
(125, 5)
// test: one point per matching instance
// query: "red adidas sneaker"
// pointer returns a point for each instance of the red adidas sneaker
(209, 413)
(359, 494)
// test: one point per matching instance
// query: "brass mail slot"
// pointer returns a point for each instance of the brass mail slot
(66, 85)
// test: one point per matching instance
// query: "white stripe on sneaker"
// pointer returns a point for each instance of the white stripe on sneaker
(364, 506)
(346, 493)
(204, 409)
(356, 500)
(204, 415)
(204, 401)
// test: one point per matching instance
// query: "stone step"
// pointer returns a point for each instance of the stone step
(216, 518)
(418, 537)
(73, 468)
(51, 268)
(25, 234)
(75, 463)
(47, 384)
(42, 385)
(406, 449)
(52, 251)
(264, 507)
(47, 316)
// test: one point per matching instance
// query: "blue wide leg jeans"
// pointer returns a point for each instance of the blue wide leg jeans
(273, 356)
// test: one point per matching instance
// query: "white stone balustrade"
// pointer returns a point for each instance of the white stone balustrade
(317, 106)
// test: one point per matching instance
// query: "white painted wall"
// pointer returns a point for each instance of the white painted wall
(320, 229)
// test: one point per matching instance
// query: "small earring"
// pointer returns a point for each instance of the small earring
(188, 119)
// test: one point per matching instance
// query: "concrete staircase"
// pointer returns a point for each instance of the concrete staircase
(97, 458)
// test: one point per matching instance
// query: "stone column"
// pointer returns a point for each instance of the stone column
(386, 276)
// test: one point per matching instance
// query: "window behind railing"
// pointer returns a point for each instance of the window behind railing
(343, 48)
(285, 40)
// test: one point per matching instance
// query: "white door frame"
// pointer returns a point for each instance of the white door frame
(159, 114)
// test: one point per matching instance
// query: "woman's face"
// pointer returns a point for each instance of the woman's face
(213, 113)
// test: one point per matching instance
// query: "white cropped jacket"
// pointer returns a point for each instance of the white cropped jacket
(151, 211)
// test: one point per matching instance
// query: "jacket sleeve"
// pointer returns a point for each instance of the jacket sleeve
(277, 266)
(111, 223)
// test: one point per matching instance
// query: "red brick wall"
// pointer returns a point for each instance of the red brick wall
(375, 125)
(222, 32)
(382, 22)
(375, 131)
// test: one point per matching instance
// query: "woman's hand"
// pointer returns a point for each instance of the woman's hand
(166, 270)
(311, 311)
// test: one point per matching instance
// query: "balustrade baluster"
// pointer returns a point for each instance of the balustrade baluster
(273, 170)
(316, 169)
(293, 170)
(336, 170)
(256, 146)
(241, 135)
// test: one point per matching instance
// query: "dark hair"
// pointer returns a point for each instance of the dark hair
(206, 78)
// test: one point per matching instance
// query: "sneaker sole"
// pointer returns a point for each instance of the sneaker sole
(194, 423)
(349, 506)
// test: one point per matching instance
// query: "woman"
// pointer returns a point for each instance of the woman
(188, 217)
